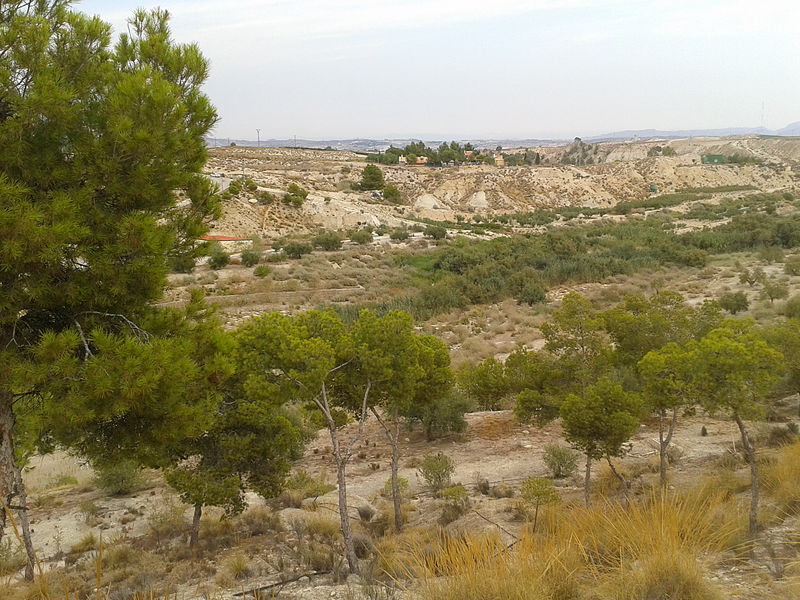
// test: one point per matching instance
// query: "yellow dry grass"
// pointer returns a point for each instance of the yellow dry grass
(656, 548)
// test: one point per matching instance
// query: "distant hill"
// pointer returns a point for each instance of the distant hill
(372, 145)
(792, 129)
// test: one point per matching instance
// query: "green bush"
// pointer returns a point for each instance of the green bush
(402, 486)
(457, 504)
(218, 258)
(235, 187)
(265, 198)
(532, 292)
(120, 478)
(372, 178)
(250, 258)
(792, 266)
(361, 236)
(734, 302)
(295, 195)
(297, 249)
(261, 271)
(771, 254)
(561, 460)
(401, 235)
(307, 485)
(792, 307)
(444, 416)
(436, 470)
(435, 232)
(533, 406)
(181, 264)
(328, 240)
(392, 194)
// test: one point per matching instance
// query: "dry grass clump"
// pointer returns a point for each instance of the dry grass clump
(648, 549)
(324, 528)
(782, 478)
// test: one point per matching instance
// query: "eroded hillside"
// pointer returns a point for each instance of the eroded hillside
(627, 171)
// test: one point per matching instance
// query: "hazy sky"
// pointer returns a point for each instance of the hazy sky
(488, 68)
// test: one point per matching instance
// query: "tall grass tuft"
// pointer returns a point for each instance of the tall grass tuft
(648, 549)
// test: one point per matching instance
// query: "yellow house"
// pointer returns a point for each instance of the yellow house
(499, 161)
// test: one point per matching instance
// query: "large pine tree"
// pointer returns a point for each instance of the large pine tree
(101, 148)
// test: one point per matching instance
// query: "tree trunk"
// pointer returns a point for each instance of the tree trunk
(195, 535)
(750, 453)
(344, 517)
(341, 481)
(8, 465)
(395, 441)
(587, 480)
(25, 525)
(619, 476)
(11, 483)
(664, 442)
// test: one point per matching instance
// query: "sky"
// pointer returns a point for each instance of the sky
(461, 69)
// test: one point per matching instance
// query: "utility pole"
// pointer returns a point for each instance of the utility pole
(258, 133)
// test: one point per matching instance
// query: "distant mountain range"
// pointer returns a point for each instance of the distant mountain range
(372, 145)
(793, 129)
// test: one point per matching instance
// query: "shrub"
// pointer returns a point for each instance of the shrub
(12, 557)
(181, 264)
(456, 504)
(328, 240)
(537, 492)
(218, 258)
(86, 543)
(120, 478)
(297, 249)
(238, 567)
(561, 460)
(402, 487)
(259, 520)
(401, 235)
(361, 236)
(265, 198)
(436, 470)
(324, 528)
(502, 490)
(535, 407)
(235, 187)
(166, 521)
(444, 416)
(372, 178)
(435, 232)
(532, 292)
(392, 195)
(366, 511)
(792, 266)
(774, 290)
(250, 258)
(734, 302)
(261, 271)
(308, 486)
(363, 545)
(792, 307)
(771, 254)
(295, 195)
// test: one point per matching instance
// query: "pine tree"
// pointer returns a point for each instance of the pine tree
(96, 145)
